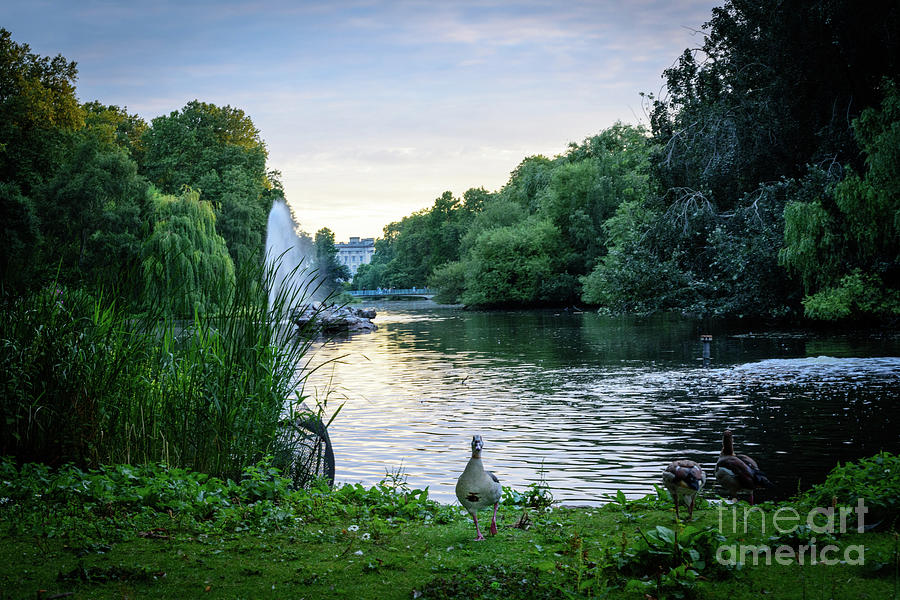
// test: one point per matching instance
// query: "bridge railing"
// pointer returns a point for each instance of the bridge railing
(417, 291)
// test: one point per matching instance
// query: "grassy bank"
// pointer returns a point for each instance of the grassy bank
(125, 532)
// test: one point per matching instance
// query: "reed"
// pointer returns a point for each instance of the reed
(85, 380)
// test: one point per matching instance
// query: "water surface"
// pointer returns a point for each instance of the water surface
(596, 404)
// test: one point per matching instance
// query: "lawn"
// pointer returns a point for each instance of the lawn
(125, 532)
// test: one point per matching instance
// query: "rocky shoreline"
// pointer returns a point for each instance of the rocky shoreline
(331, 318)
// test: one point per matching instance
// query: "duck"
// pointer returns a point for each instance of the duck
(477, 489)
(738, 473)
(684, 479)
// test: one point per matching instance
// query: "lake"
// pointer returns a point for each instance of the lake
(594, 404)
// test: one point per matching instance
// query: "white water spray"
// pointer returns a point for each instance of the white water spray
(284, 249)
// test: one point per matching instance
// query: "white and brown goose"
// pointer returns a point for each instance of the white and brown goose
(738, 473)
(477, 488)
(684, 479)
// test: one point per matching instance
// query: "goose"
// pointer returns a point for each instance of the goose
(477, 488)
(684, 479)
(738, 473)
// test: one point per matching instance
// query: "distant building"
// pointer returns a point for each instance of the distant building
(355, 252)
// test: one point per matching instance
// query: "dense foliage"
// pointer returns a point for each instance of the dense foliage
(219, 152)
(876, 479)
(87, 381)
(136, 323)
(766, 186)
(330, 272)
(77, 181)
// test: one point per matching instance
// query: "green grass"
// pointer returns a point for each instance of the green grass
(93, 536)
(317, 560)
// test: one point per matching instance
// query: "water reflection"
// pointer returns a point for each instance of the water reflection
(598, 404)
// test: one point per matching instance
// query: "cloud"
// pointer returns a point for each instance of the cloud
(366, 103)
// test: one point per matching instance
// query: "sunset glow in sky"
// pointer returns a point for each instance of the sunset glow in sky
(371, 109)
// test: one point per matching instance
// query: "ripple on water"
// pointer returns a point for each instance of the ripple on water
(588, 422)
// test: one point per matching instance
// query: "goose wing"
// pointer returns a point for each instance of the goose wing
(738, 469)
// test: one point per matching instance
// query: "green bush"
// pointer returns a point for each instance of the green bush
(875, 480)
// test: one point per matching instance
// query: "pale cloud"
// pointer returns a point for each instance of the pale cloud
(371, 109)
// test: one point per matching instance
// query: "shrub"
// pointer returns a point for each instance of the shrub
(875, 480)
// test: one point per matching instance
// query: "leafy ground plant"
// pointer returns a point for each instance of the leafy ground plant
(152, 531)
(875, 480)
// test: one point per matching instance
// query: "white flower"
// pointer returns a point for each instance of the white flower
(353, 528)
(366, 536)
(358, 553)
(449, 548)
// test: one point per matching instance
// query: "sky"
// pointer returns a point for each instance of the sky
(371, 110)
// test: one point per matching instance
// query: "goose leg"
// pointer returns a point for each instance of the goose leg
(751, 497)
(676, 508)
(479, 537)
(494, 520)
(690, 509)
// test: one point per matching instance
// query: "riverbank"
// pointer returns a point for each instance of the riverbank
(152, 532)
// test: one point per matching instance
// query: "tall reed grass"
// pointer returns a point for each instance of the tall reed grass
(87, 381)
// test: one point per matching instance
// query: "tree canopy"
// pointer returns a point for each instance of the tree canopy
(75, 178)
(329, 271)
(217, 151)
(185, 264)
(766, 186)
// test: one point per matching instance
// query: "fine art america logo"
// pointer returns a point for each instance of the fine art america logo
(786, 521)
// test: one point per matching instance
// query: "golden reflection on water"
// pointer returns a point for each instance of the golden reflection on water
(590, 405)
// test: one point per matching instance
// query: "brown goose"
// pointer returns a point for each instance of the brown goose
(477, 488)
(738, 473)
(684, 479)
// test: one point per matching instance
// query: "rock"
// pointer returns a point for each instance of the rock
(365, 313)
(329, 318)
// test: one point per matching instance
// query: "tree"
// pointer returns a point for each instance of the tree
(186, 266)
(750, 137)
(517, 266)
(845, 243)
(38, 108)
(528, 182)
(773, 87)
(38, 113)
(330, 271)
(590, 181)
(115, 127)
(91, 213)
(19, 234)
(219, 152)
(413, 248)
(631, 278)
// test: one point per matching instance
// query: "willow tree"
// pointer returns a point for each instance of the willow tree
(186, 266)
(219, 151)
(846, 248)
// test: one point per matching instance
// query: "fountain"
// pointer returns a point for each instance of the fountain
(286, 258)
(293, 281)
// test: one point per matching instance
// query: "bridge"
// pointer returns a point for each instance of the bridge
(392, 292)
